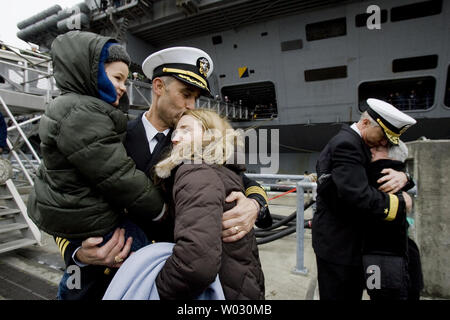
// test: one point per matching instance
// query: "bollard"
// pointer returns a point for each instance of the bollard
(301, 186)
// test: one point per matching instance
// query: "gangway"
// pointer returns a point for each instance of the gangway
(26, 88)
(16, 228)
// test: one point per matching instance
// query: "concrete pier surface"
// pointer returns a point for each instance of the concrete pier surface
(44, 266)
(279, 259)
(33, 273)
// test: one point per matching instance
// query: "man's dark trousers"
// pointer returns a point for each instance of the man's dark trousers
(339, 282)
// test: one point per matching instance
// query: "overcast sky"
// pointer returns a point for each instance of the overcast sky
(13, 11)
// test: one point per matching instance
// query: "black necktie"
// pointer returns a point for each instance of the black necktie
(160, 137)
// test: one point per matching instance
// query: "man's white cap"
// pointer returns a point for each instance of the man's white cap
(391, 120)
(190, 65)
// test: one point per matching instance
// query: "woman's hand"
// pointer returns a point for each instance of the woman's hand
(408, 201)
(111, 254)
(239, 220)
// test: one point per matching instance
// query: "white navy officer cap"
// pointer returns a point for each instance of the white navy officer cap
(391, 120)
(190, 65)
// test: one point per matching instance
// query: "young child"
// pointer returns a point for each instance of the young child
(86, 185)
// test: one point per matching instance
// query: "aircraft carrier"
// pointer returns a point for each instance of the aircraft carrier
(303, 67)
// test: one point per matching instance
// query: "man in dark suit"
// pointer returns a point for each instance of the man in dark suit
(344, 198)
(179, 76)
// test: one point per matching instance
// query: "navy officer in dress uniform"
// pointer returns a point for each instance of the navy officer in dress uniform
(345, 198)
(179, 76)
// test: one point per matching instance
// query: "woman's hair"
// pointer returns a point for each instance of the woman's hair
(212, 124)
(398, 152)
(218, 143)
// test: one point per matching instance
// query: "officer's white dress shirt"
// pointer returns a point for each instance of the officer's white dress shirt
(151, 132)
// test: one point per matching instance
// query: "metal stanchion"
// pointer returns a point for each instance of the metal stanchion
(301, 186)
(300, 266)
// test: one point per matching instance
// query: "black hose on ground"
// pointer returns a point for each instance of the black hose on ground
(284, 220)
(277, 235)
(263, 233)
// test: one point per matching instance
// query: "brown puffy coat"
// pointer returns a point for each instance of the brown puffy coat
(199, 254)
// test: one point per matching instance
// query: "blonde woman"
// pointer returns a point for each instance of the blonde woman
(204, 145)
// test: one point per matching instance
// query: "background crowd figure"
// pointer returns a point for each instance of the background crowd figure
(258, 111)
(411, 100)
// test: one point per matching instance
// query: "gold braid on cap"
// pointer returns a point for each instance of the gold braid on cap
(391, 134)
(193, 81)
(187, 73)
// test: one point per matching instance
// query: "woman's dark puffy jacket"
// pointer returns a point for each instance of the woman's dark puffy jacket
(199, 254)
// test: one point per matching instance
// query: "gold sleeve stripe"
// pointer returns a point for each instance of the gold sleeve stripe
(257, 190)
(64, 246)
(62, 243)
(393, 207)
(58, 239)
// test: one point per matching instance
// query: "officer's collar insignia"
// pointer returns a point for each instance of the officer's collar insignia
(203, 66)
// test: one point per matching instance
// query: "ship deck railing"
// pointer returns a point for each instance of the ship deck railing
(31, 73)
(231, 111)
(27, 72)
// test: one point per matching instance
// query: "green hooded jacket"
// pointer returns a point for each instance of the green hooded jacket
(86, 179)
